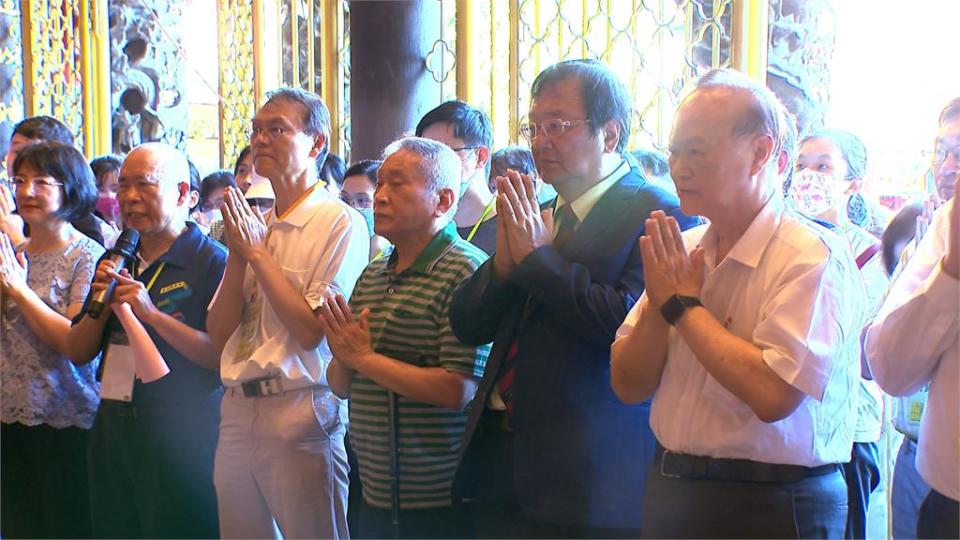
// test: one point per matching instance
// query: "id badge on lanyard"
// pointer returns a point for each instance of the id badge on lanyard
(118, 367)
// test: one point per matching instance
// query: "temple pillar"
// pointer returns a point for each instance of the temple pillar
(390, 85)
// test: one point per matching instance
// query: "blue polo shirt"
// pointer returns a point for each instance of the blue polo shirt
(190, 273)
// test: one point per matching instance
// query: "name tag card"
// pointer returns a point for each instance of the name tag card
(118, 370)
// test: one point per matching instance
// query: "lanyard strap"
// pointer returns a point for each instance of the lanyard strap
(483, 216)
(153, 279)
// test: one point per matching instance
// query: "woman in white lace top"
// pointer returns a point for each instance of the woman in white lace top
(47, 403)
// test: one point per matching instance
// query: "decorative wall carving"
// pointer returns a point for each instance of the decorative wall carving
(802, 35)
(147, 75)
(11, 62)
(235, 21)
(55, 83)
(802, 39)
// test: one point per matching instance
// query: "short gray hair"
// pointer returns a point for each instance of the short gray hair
(765, 116)
(316, 117)
(439, 164)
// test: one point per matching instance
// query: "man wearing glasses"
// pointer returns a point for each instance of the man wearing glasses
(552, 451)
(911, 488)
(281, 459)
(468, 132)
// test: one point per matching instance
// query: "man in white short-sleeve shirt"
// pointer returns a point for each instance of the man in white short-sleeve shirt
(913, 342)
(281, 460)
(743, 333)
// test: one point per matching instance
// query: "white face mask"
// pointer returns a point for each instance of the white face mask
(814, 192)
(213, 215)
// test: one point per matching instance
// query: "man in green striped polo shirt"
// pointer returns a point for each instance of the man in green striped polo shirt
(395, 337)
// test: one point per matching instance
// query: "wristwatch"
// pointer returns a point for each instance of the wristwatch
(676, 305)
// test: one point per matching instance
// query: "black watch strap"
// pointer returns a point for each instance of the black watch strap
(676, 305)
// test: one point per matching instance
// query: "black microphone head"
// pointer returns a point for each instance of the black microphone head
(127, 242)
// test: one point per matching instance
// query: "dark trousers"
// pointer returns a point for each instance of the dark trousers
(44, 482)
(452, 521)
(862, 475)
(939, 517)
(355, 490)
(497, 513)
(814, 507)
(151, 471)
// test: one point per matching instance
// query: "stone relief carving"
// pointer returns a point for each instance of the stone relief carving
(11, 62)
(147, 76)
(802, 39)
(802, 35)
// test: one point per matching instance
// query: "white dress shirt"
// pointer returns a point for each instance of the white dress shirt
(914, 341)
(321, 247)
(792, 289)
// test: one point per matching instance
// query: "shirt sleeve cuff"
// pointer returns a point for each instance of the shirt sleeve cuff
(787, 369)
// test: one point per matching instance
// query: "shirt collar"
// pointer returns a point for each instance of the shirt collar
(750, 246)
(427, 259)
(304, 209)
(583, 204)
(183, 252)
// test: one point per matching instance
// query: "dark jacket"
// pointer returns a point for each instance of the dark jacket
(579, 454)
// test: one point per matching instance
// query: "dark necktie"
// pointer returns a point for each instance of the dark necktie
(566, 225)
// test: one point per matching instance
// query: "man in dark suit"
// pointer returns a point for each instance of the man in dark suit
(549, 450)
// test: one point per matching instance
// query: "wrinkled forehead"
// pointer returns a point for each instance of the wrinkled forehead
(714, 110)
(167, 169)
(403, 163)
(558, 99)
(281, 111)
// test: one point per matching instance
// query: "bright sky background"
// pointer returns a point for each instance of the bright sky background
(892, 73)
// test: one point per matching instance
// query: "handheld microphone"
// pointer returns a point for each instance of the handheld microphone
(121, 254)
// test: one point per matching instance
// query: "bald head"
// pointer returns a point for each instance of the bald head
(161, 161)
(154, 192)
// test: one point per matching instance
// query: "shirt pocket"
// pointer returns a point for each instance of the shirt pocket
(296, 277)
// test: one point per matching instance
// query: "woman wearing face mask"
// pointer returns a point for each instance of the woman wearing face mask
(830, 170)
(359, 185)
(48, 403)
(106, 169)
(212, 190)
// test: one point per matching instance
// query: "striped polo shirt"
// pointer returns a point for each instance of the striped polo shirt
(409, 322)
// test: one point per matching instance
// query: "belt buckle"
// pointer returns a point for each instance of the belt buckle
(266, 386)
(270, 386)
(663, 461)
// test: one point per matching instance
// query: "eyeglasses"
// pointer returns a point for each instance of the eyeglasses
(462, 148)
(38, 183)
(548, 128)
(272, 133)
(940, 154)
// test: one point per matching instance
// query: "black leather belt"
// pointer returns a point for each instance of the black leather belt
(673, 465)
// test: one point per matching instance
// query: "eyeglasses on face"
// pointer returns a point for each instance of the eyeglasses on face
(548, 128)
(272, 133)
(941, 152)
(39, 183)
(462, 148)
